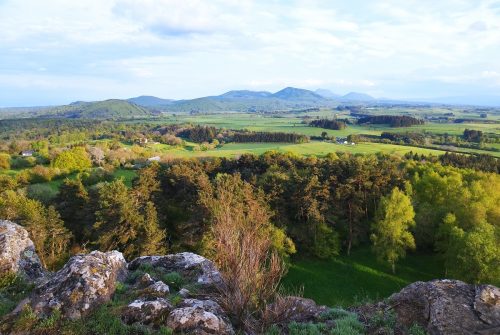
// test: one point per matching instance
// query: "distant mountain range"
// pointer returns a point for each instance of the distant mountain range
(289, 98)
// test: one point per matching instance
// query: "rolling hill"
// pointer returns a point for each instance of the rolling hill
(150, 101)
(107, 109)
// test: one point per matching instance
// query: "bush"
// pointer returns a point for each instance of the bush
(22, 162)
(416, 329)
(4, 161)
(42, 174)
(295, 328)
(173, 279)
(75, 159)
(42, 192)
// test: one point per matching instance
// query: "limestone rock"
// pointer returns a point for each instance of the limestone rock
(191, 266)
(17, 252)
(82, 284)
(449, 307)
(147, 311)
(157, 289)
(199, 317)
(145, 281)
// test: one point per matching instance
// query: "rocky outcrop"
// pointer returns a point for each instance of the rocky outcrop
(445, 307)
(200, 317)
(82, 284)
(17, 252)
(147, 311)
(178, 291)
(191, 266)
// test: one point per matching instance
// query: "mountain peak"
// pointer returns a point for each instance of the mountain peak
(356, 96)
(149, 101)
(327, 93)
(245, 94)
(292, 93)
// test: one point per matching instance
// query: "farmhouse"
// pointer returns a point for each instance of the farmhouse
(27, 153)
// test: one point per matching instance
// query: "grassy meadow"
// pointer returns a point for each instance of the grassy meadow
(293, 123)
(349, 280)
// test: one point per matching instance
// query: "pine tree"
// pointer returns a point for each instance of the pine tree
(153, 238)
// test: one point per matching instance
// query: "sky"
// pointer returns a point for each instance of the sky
(59, 51)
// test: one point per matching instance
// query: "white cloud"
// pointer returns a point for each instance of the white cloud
(184, 48)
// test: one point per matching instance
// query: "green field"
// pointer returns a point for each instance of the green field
(292, 123)
(349, 280)
(313, 148)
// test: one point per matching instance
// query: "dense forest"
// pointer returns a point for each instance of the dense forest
(319, 207)
(392, 120)
(245, 137)
(329, 124)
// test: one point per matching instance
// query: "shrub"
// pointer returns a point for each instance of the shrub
(251, 268)
(416, 329)
(4, 161)
(42, 192)
(75, 159)
(42, 174)
(295, 328)
(26, 320)
(173, 279)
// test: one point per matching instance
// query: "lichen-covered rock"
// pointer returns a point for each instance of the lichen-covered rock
(297, 309)
(157, 288)
(147, 311)
(191, 266)
(17, 252)
(145, 281)
(448, 307)
(199, 317)
(82, 284)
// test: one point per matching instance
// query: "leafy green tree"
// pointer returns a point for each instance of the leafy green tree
(476, 254)
(75, 159)
(4, 161)
(391, 236)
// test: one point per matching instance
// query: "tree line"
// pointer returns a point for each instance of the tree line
(392, 120)
(317, 206)
(328, 124)
(246, 137)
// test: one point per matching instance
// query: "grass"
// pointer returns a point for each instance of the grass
(127, 175)
(347, 280)
(313, 148)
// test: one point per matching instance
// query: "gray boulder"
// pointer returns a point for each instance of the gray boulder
(84, 283)
(193, 267)
(449, 307)
(147, 311)
(199, 317)
(17, 252)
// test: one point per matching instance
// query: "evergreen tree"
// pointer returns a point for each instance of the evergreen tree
(153, 239)
(118, 219)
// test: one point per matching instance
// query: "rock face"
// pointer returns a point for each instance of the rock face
(192, 266)
(449, 307)
(17, 252)
(81, 285)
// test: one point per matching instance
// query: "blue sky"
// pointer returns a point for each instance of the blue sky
(58, 51)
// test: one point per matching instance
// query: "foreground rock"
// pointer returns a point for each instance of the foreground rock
(191, 266)
(17, 252)
(81, 285)
(446, 307)
(200, 317)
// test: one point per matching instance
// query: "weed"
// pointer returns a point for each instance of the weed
(416, 329)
